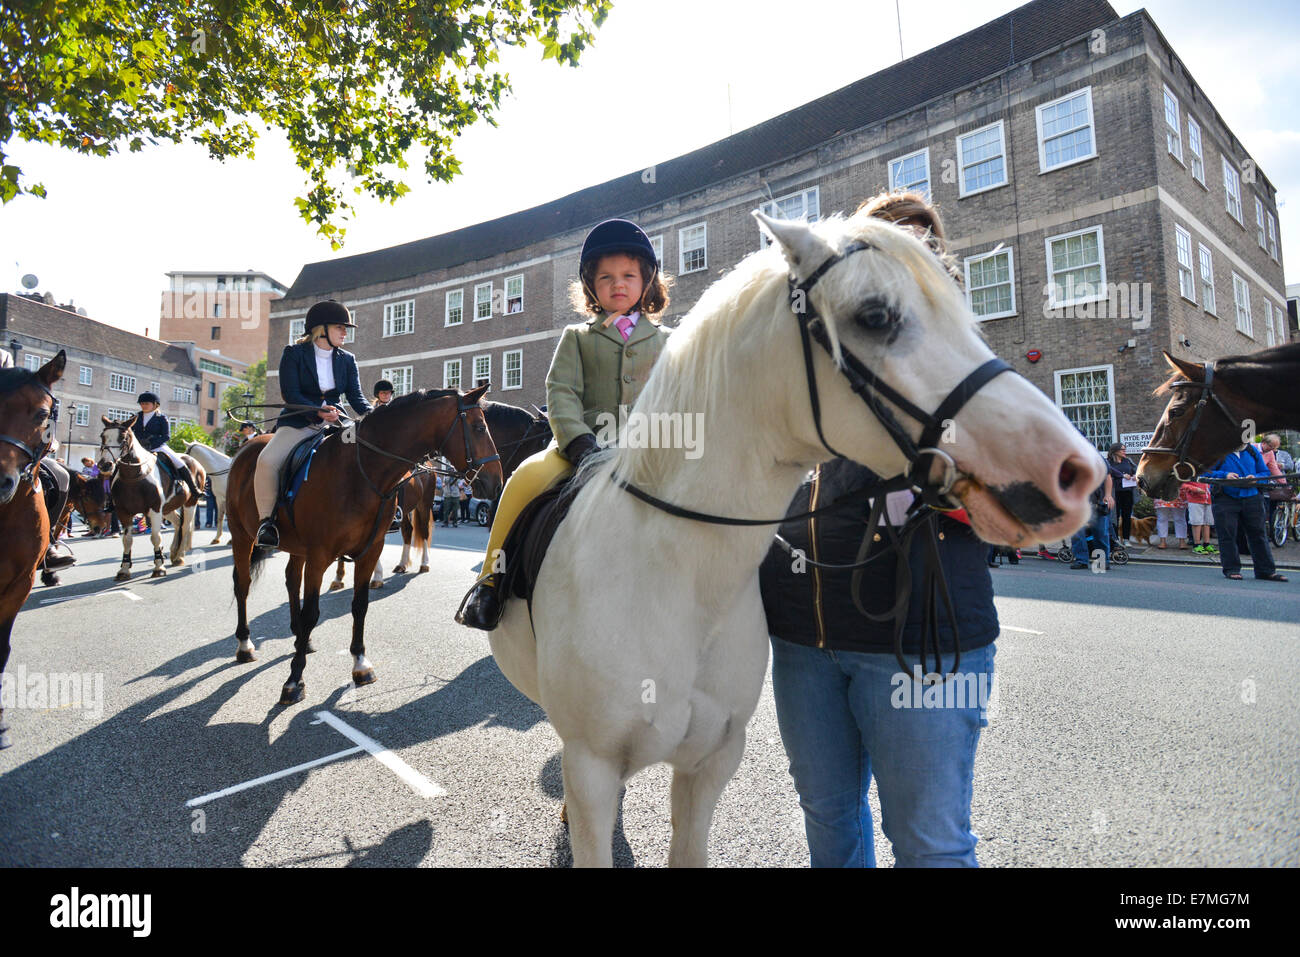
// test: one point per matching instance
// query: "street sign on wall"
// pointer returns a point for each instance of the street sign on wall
(1135, 441)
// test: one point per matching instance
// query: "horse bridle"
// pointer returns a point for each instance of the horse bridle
(1185, 441)
(34, 455)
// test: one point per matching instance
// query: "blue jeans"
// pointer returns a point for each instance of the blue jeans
(1100, 525)
(840, 725)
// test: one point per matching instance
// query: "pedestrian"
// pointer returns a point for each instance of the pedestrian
(1199, 516)
(1123, 475)
(1175, 510)
(1103, 500)
(464, 493)
(210, 512)
(1268, 446)
(1242, 505)
(438, 514)
(89, 468)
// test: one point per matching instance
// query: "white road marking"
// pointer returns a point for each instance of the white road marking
(1027, 631)
(456, 548)
(234, 789)
(418, 782)
(93, 594)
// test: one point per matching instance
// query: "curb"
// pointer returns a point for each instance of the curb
(1288, 562)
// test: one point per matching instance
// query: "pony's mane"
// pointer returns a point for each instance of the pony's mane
(411, 398)
(1286, 354)
(503, 413)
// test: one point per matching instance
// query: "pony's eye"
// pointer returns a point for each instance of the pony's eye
(875, 315)
(1175, 413)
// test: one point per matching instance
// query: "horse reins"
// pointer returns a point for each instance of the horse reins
(1184, 442)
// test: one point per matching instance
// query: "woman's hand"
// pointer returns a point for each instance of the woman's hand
(329, 414)
(1232, 475)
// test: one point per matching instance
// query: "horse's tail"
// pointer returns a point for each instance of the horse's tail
(255, 563)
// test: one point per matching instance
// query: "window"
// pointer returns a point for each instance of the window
(981, 156)
(804, 205)
(297, 329)
(482, 301)
(1241, 299)
(692, 243)
(121, 415)
(212, 419)
(118, 382)
(182, 395)
(911, 172)
(400, 377)
(1076, 268)
(212, 390)
(1232, 190)
(1270, 339)
(455, 307)
(349, 334)
(216, 333)
(513, 366)
(451, 374)
(1087, 397)
(1272, 235)
(216, 312)
(83, 413)
(207, 365)
(155, 388)
(34, 362)
(1279, 320)
(1194, 145)
(1065, 131)
(86, 376)
(1186, 281)
(1207, 280)
(1173, 130)
(1260, 235)
(990, 285)
(515, 294)
(399, 318)
(658, 243)
(482, 370)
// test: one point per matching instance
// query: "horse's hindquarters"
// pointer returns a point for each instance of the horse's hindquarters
(515, 648)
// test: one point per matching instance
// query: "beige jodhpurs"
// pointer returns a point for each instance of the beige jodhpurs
(266, 478)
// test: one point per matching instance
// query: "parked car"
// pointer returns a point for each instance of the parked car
(481, 509)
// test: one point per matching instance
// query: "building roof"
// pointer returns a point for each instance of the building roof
(991, 48)
(24, 316)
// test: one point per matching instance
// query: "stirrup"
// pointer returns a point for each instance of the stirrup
(268, 535)
(474, 600)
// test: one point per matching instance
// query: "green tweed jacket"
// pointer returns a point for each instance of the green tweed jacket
(595, 371)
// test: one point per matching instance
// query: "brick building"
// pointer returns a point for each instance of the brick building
(220, 312)
(1101, 207)
(107, 368)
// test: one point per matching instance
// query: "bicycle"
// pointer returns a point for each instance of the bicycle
(1118, 553)
(1284, 522)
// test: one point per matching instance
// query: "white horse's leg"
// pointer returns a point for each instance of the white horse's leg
(591, 786)
(337, 583)
(128, 524)
(155, 536)
(695, 795)
(405, 563)
(377, 576)
(221, 511)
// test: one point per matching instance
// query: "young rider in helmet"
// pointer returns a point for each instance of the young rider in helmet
(599, 364)
(314, 371)
(154, 432)
(383, 392)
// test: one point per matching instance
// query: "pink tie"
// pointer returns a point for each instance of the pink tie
(624, 324)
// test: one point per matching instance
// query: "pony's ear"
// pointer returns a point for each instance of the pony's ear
(52, 371)
(474, 395)
(106, 420)
(1192, 370)
(803, 249)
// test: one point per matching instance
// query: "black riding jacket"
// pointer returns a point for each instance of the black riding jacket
(815, 607)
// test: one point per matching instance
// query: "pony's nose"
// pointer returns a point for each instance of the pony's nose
(1077, 477)
(8, 485)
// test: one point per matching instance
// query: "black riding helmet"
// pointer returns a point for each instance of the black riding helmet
(148, 397)
(617, 236)
(383, 385)
(329, 312)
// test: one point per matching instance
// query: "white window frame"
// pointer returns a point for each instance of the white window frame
(1186, 272)
(86, 376)
(297, 329)
(1042, 143)
(478, 379)
(809, 199)
(182, 394)
(1270, 336)
(505, 369)
(120, 415)
(519, 279)
(447, 320)
(899, 161)
(402, 378)
(682, 250)
(657, 242)
(33, 361)
(963, 192)
(1261, 236)
(1110, 387)
(1232, 191)
(1011, 274)
(1194, 145)
(399, 325)
(1052, 302)
(125, 383)
(479, 300)
(1239, 288)
(1209, 297)
(1272, 235)
(81, 414)
(448, 380)
(1173, 127)
(156, 387)
(1279, 317)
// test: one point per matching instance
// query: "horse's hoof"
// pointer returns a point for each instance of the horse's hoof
(292, 694)
(216, 541)
(310, 649)
(377, 583)
(399, 570)
(423, 569)
(362, 678)
(122, 577)
(177, 562)
(336, 586)
(244, 657)
(564, 813)
(159, 573)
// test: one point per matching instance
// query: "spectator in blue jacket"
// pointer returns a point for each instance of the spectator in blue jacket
(1242, 505)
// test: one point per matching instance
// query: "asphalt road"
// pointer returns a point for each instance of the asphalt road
(1144, 716)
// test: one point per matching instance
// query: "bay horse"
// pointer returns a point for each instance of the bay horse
(517, 433)
(410, 498)
(346, 506)
(1215, 408)
(217, 466)
(138, 487)
(27, 424)
(664, 660)
(88, 497)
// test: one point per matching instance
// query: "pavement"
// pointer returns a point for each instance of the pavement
(1144, 715)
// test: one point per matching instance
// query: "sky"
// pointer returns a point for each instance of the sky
(664, 77)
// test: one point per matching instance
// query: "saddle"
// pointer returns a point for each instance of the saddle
(530, 537)
(296, 469)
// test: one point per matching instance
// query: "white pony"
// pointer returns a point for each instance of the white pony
(651, 643)
(217, 465)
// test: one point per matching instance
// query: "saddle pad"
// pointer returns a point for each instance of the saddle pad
(297, 467)
(529, 538)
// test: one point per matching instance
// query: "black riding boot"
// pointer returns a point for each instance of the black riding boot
(268, 536)
(483, 605)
